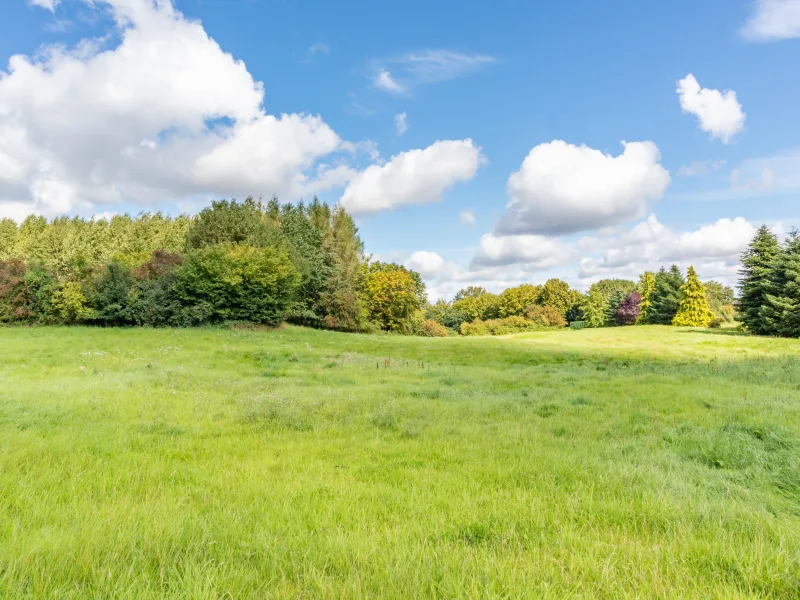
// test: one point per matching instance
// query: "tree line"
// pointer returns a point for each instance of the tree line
(306, 264)
(665, 297)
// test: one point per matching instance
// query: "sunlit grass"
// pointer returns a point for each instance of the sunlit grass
(616, 463)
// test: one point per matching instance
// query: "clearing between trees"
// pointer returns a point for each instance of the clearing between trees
(631, 462)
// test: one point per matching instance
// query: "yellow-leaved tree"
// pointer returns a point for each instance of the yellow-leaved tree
(394, 294)
(693, 309)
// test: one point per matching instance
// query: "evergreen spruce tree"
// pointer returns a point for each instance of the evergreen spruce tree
(647, 288)
(780, 313)
(614, 301)
(758, 263)
(693, 310)
(666, 296)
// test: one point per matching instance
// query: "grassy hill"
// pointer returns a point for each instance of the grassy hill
(613, 463)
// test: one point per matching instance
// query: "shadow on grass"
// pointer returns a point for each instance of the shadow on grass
(730, 332)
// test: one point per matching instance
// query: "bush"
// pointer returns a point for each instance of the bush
(69, 304)
(715, 323)
(236, 283)
(431, 328)
(110, 294)
(499, 326)
(545, 316)
(578, 325)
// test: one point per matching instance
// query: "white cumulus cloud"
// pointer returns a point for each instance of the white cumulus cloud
(415, 177)
(163, 115)
(562, 188)
(537, 251)
(425, 263)
(773, 20)
(718, 113)
(714, 248)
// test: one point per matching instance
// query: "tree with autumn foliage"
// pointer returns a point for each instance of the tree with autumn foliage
(693, 308)
(393, 294)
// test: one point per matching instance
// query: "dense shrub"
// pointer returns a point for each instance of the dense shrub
(499, 326)
(431, 328)
(236, 283)
(715, 323)
(446, 314)
(109, 297)
(545, 316)
(578, 325)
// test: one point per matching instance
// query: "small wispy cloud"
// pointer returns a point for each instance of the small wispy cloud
(401, 74)
(318, 48)
(384, 80)
(467, 217)
(46, 4)
(699, 168)
(400, 123)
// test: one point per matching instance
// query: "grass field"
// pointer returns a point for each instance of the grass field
(615, 463)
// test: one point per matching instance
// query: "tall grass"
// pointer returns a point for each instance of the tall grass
(624, 463)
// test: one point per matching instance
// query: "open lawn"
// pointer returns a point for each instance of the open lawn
(644, 462)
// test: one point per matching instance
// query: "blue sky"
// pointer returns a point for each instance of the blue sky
(87, 133)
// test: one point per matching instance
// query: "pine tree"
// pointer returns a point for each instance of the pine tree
(614, 301)
(647, 288)
(666, 296)
(693, 310)
(758, 263)
(780, 313)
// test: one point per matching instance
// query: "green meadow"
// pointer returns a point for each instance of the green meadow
(637, 462)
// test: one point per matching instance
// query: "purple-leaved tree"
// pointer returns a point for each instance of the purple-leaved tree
(629, 309)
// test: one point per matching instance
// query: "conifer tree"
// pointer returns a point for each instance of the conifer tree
(780, 313)
(647, 288)
(758, 263)
(693, 310)
(666, 296)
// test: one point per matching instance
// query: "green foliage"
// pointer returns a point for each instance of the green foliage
(70, 305)
(613, 304)
(231, 222)
(667, 296)
(505, 326)
(647, 289)
(106, 260)
(514, 301)
(718, 295)
(478, 304)
(578, 325)
(780, 313)
(756, 278)
(693, 310)
(109, 297)
(394, 295)
(446, 314)
(545, 316)
(556, 294)
(595, 308)
(152, 299)
(236, 283)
